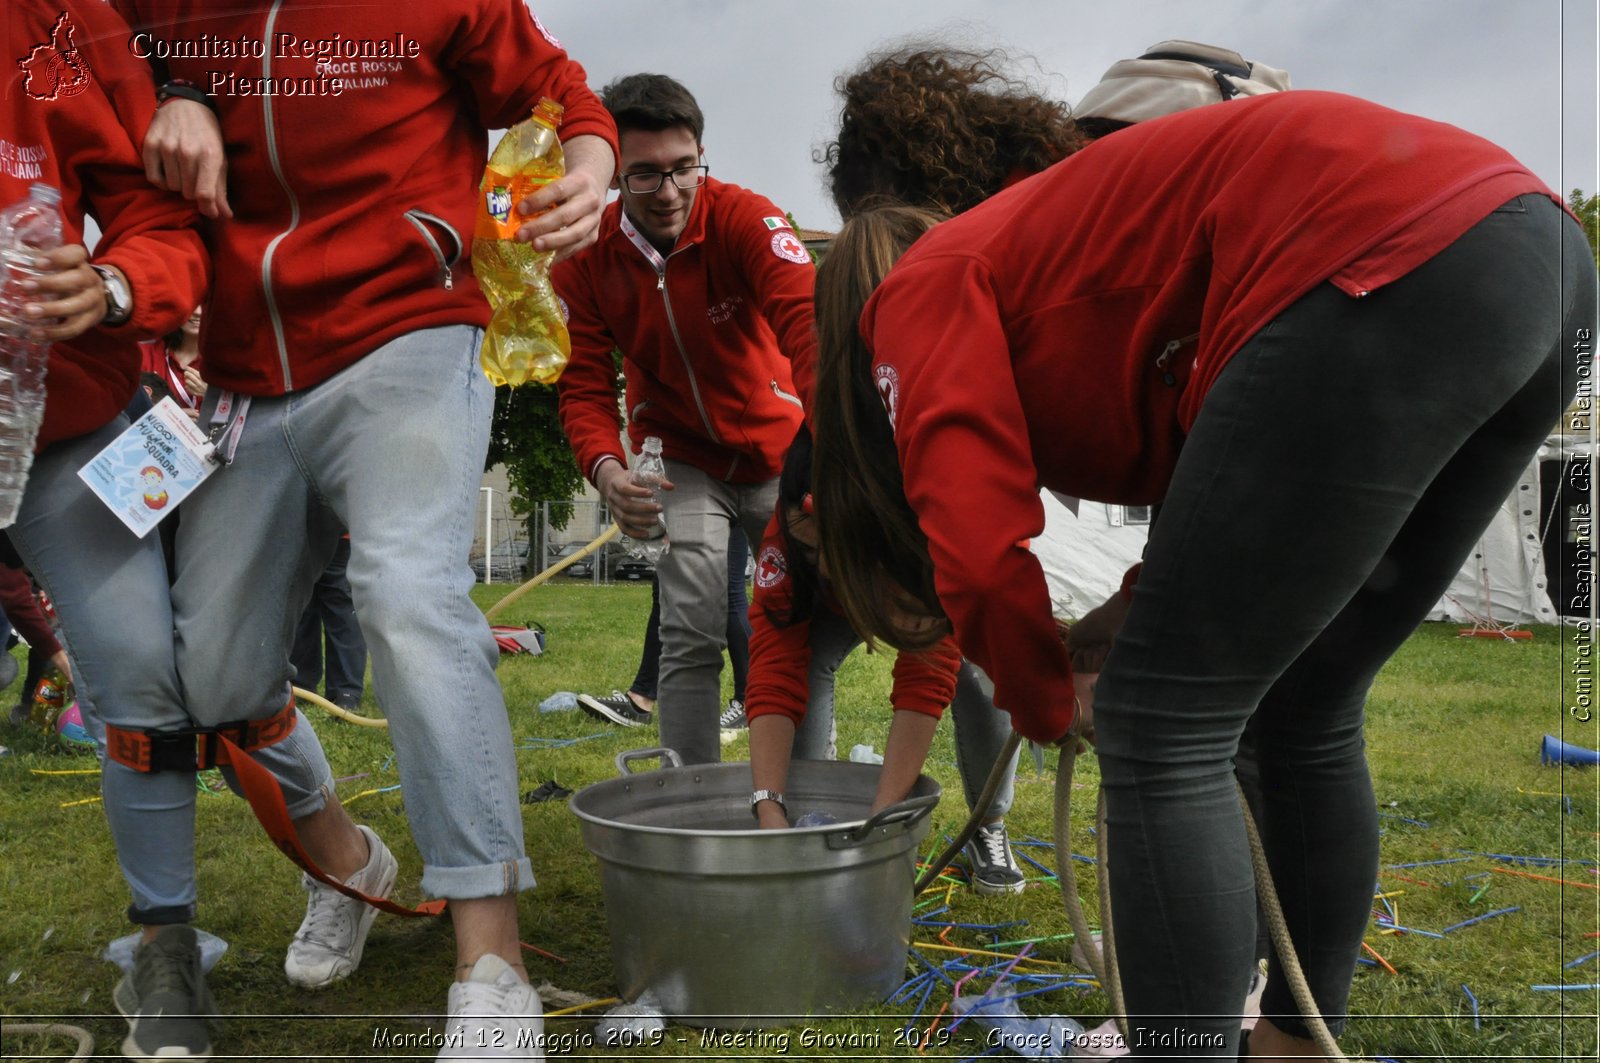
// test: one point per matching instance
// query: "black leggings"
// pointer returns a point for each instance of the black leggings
(1339, 472)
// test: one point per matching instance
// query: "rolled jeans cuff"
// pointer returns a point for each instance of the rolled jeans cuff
(164, 915)
(472, 883)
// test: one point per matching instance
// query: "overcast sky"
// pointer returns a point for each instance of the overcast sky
(1518, 72)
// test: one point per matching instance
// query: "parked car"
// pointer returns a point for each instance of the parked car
(510, 561)
(583, 567)
(620, 566)
(633, 568)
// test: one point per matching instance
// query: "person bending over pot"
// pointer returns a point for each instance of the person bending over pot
(799, 639)
(1329, 336)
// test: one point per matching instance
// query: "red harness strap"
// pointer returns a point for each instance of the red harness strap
(198, 748)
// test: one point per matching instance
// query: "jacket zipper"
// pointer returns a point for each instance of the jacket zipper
(419, 218)
(784, 395)
(683, 353)
(1164, 359)
(294, 207)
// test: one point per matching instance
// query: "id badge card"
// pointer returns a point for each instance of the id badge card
(145, 472)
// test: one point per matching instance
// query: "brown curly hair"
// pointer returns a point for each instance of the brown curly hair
(940, 127)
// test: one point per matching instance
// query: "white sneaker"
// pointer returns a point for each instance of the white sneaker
(494, 1015)
(328, 945)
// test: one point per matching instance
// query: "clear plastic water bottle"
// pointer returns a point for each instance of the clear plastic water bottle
(1032, 1037)
(817, 817)
(26, 228)
(560, 701)
(649, 471)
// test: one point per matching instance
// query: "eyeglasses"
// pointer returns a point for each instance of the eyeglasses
(644, 182)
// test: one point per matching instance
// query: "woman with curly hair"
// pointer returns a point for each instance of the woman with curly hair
(943, 128)
(1330, 336)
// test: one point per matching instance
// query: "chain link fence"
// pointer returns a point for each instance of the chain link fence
(518, 548)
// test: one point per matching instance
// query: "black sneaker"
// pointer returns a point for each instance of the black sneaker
(619, 709)
(989, 860)
(164, 999)
(732, 718)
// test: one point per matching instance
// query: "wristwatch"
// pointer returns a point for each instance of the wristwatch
(119, 300)
(767, 795)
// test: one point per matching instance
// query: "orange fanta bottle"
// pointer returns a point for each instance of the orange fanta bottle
(527, 336)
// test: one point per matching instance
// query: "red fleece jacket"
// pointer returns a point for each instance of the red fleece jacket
(353, 212)
(72, 114)
(707, 336)
(1064, 334)
(780, 655)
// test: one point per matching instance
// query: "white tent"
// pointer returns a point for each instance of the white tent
(1085, 556)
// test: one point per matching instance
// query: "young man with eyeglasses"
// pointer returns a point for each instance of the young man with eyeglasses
(705, 288)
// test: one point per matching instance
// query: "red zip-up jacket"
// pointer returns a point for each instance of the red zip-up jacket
(707, 335)
(1064, 334)
(73, 109)
(780, 656)
(353, 212)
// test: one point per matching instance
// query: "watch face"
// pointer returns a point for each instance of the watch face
(116, 291)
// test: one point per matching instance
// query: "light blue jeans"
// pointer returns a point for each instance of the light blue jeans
(110, 592)
(391, 449)
(981, 729)
(693, 579)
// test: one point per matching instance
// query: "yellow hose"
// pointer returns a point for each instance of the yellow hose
(572, 559)
(343, 714)
(378, 721)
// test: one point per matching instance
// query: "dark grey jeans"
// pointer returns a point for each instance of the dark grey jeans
(1339, 473)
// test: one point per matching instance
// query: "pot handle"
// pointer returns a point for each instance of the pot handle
(669, 759)
(902, 814)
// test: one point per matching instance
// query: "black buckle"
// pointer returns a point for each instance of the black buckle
(193, 748)
(173, 750)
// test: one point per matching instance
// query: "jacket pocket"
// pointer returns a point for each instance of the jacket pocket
(1164, 359)
(784, 395)
(428, 224)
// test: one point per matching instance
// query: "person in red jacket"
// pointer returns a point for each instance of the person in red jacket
(1329, 336)
(337, 150)
(72, 114)
(799, 639)
(705, 288)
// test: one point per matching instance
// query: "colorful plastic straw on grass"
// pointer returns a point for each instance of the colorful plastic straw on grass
(1430, 863)
(369, 793)
(1546, 878)
(1565, 988)
(1477, 1022)
(1403, 819)
(1379, 957)
(1581, 960)
(1481, 918)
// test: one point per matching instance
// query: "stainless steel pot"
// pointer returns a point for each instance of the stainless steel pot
(734, 927)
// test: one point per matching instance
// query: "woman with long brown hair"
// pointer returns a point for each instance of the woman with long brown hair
(1328, 336)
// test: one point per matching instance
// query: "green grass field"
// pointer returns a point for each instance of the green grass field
(1454, 732)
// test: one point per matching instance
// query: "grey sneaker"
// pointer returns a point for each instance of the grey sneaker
(989, 859)
(164, 999)
(619, 709)
(328, 945)
(732, 718)
(493, 1015)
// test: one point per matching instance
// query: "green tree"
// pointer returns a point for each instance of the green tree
(1587, 208)
(526, 437)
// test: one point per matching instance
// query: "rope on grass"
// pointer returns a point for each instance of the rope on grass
(571, 559)
(56, 1029)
